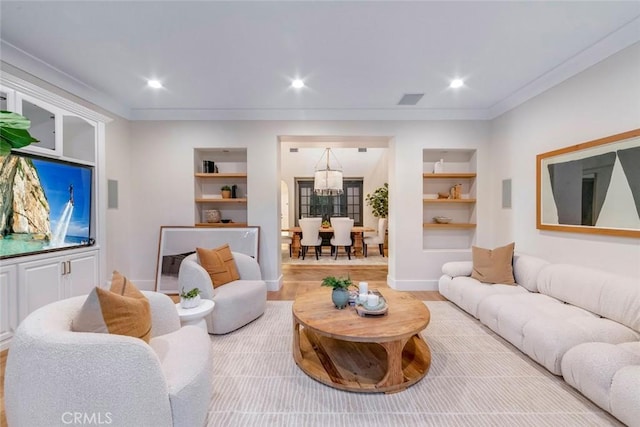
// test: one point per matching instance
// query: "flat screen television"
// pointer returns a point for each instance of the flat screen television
(45, 205)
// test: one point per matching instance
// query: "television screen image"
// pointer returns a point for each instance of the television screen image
(45, 205)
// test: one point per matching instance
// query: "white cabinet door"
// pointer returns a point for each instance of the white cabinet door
(8, 304)
(82, 274)
(41, 283)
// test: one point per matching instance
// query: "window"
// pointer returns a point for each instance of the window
(349, 203)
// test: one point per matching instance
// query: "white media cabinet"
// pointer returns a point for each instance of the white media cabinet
(71, 132)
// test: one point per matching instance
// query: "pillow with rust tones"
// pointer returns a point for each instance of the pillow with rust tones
(123, 310)
(219, 263)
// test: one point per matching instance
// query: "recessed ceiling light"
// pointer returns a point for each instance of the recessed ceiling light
(297, 83)
(154, 84)
(456, 83)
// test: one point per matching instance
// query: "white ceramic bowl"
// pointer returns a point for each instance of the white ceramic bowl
(442, 219)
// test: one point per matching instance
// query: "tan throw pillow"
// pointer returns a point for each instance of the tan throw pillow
(493, 266)
(219, 264)
(123, 310)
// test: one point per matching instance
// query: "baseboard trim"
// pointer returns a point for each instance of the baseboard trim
(412, 285)
(274, 285)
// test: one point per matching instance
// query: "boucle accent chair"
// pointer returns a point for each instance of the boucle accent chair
(53, 372)
(236, 303)
(575, 321)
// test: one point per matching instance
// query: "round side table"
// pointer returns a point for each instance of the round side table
(195, 316)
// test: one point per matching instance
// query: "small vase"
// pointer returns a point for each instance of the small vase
(190, 302)
(439, 166)
(340, 298)
(212, 215)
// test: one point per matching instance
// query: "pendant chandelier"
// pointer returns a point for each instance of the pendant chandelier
(327, 180)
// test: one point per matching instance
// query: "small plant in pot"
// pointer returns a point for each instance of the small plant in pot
(340, 294)
(190, 299)
(226, 191)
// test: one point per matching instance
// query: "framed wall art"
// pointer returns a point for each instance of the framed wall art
(593, 187)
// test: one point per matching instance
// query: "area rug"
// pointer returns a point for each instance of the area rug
(476, 379)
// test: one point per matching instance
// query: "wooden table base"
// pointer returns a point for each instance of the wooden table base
(356, 236)
(365, 367)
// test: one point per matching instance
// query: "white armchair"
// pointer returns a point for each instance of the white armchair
(236, 303)
(53, 373)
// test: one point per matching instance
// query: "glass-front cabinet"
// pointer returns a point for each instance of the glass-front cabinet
(60, 133)
(77, 139)
(44, 124)
(4, 105)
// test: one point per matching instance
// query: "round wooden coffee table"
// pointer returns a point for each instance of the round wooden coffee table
(363, 354)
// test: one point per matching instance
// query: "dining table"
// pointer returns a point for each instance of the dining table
(357, 234)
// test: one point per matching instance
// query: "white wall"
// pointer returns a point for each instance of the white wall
(601, 101)
(162, 185)
(415, 267)
(153, 162)
(118, 167)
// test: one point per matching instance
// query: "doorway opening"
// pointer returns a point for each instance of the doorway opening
(365, 167)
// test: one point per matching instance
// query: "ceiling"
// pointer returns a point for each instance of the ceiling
(236, 60)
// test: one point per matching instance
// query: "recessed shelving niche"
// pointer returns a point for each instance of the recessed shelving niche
(459, 167)
(231, 169)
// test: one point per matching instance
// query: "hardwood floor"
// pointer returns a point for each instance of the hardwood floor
(296, 279)
(299, 279)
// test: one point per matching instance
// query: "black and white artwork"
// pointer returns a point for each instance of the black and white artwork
(592, 187)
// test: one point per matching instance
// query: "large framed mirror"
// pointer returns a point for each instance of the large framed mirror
(176, 243)
(593, 187)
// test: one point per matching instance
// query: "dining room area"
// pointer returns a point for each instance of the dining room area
(334, 201)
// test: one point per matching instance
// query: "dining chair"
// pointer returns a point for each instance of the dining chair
(378, 239)
(286, 239)
(341, 235)
(310, 234)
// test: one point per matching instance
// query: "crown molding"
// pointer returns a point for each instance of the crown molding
(338, 114)
(12, 82)
(42, 70)
(611, 44)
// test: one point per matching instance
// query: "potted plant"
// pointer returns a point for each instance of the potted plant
(379, 201)
(340, 294)
(190, 299)
(326, 224)
(226, 191)
(13, 132)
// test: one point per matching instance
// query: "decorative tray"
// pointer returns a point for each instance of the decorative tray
(379, 310)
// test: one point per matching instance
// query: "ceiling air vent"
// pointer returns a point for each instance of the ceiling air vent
(293, 150)
(411, 98)
(362, 150)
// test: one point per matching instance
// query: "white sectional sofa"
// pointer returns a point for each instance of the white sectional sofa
(577, 322)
